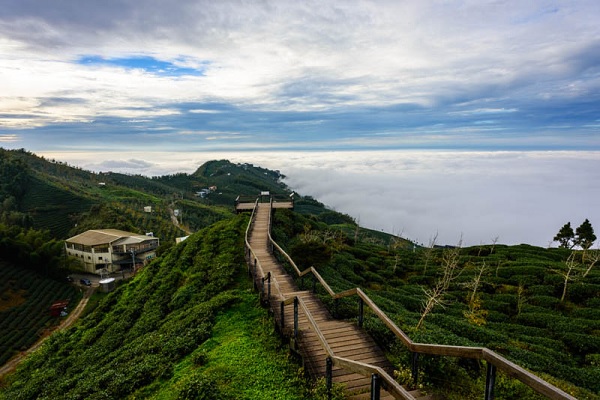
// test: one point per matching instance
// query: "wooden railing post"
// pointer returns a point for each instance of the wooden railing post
(248, 260)
(415, 368)
(295, 317)
(375, 387)
(269, 286)
(361, 306)
(329, 376)
(262, 290)
(490, 380)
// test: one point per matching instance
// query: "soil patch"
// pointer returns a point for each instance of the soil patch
(12, 298)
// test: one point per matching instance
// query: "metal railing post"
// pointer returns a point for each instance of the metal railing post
(269, 286)
(262, 290)
(361, 307)
(375, 387)
(415, 368)
(490, 380)
(329, 376)
(295, 317)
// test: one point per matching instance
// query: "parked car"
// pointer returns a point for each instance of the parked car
(85, 282)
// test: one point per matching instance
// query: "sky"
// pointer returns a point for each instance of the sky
(502, 96)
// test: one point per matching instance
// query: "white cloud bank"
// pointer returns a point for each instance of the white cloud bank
(520, 197)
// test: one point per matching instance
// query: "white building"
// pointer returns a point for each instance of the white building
(111, 249)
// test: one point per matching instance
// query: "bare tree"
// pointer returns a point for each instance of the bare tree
(357, 230)
(429, 251)
(569, 274)
(592, 257)
(576, 270)
(475, 314)
(450, 271)
(396, 242)
(521, 298)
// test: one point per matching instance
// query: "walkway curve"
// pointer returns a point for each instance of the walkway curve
(344, 338)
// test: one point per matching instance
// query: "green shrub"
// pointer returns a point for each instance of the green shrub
(197, 386)
(581, 344)
(543, 301)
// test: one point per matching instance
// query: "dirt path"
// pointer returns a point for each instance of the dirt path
(11, 365)
(176, 221)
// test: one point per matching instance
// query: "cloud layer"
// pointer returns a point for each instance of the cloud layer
(519, 197)
(298, 75)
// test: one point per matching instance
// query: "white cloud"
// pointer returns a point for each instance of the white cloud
(9, 138)
(340, 53)
(520, 197)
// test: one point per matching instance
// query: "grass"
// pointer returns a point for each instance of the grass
(243, 359)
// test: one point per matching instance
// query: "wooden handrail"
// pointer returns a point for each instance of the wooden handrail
(393, 387)
(358, 367)
(314, 325)
(481, 353)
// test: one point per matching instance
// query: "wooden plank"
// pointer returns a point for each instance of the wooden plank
(314, 319)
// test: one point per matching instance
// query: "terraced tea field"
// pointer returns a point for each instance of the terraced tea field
(24, 302)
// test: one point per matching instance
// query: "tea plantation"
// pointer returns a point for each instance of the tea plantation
(506, 298)
(24, 307)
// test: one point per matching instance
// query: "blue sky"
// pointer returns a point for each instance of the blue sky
(125, 85)
(300, 75)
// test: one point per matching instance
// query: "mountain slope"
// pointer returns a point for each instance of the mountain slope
(48, 194)
(140, 336)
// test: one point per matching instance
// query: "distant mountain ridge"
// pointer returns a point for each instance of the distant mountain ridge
(49, 194)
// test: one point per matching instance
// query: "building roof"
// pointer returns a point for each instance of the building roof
(106, 236)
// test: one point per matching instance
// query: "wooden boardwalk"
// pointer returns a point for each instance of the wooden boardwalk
(344, 338)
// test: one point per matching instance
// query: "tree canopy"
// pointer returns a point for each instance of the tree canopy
(584, 235)
(565, 236)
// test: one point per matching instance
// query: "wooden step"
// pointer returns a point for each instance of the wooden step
(344, 338)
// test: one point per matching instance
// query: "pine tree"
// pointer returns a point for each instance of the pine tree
(584, 235)
(565, 235)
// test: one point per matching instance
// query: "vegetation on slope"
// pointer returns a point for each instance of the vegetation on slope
(51, 195)
(141, 336)
(515, 308)
(24, 307)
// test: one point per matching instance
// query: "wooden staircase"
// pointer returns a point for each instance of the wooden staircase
(344, 338)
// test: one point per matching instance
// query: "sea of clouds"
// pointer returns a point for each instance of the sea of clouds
(517, 197)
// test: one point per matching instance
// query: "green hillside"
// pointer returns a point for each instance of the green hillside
(51, 195)
(189, 325)
(168, 334)
(506, 298)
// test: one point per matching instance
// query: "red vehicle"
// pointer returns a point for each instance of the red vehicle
(58, 307)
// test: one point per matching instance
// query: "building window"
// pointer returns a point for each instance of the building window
(99, 258)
